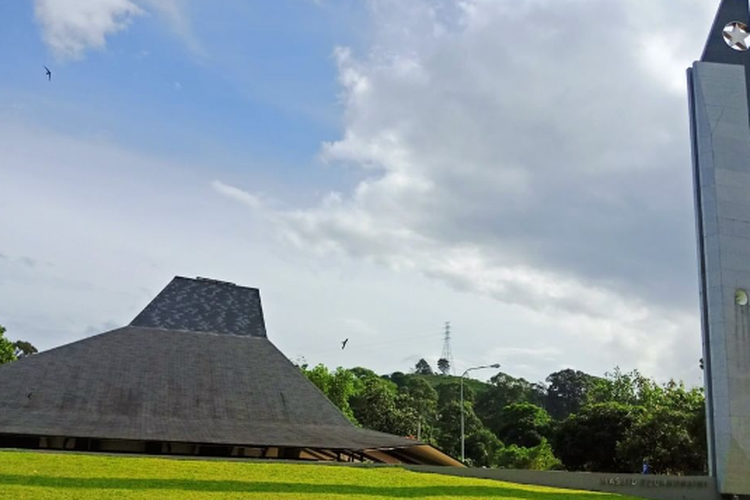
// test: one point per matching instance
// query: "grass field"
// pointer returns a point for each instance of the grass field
(41, 476)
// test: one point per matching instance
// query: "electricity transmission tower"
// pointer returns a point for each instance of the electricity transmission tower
(447, 355)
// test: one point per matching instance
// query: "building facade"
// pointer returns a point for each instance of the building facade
(720, 131)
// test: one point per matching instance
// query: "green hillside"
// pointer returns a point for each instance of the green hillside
(477, 386)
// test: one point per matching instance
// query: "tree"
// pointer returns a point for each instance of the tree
(588, 441)
(406, 420)
(444, 366)
(419, 395)
(670, 434)
(503, 391)
(7, 349)
(539, 457)
(398, 378)
(523, 424)
(319, 376)
(338, 386)
(362, 373)
(422, 368)
(450, 391)
(379, 407)
(449, 426)
(340, 390)
(481, 447)
(669, 429)
(630, 388)
(567, 391)
(425, 396)
(23, 349)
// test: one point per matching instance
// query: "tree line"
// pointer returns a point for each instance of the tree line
(622, 422)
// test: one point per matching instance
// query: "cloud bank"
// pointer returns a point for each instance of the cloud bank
(71, 27)
(533, 152)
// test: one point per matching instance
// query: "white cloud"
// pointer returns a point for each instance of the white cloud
(530, 152)
(175, 12)
(111, 226)
(525, 153)
(235, 194)
(70, 27)
(635, 332)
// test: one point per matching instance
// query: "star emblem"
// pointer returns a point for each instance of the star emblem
(736, 34)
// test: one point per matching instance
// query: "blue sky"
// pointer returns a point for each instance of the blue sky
(266, 94)
(376, 167)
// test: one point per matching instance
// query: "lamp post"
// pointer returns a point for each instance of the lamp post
(482, 367)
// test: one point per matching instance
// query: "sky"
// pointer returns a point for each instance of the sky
(520, 168)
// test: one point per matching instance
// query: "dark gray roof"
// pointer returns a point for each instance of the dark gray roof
(168, 385)
(203, 305)
(194, 366)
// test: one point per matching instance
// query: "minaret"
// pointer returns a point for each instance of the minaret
(720, 132)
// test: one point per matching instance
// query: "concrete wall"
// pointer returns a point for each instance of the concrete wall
(721, 146)
(652, 487)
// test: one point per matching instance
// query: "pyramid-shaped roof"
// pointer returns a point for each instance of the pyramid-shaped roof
(205, 306)
(194, 367)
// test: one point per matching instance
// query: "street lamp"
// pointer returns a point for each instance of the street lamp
(482, 367)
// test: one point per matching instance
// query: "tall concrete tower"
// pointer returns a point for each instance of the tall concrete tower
(719, 90)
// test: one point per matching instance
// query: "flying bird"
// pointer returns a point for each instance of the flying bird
(49, 73)
(343, 344)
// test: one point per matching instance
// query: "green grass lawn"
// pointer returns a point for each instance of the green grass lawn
(40, 476)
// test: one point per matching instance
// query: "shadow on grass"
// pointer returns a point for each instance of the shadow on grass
(274, 487)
